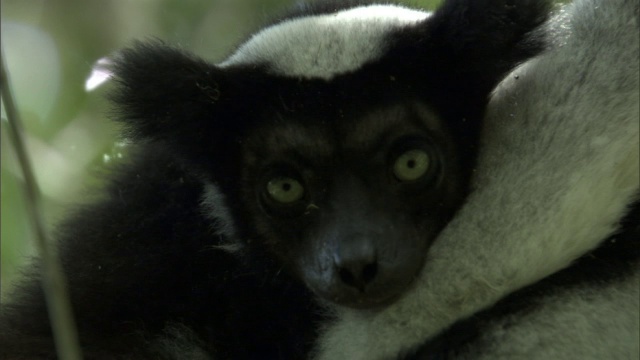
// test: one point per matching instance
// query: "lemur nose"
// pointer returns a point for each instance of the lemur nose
(356, 263)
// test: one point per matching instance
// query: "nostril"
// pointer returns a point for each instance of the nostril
(358, 274)
(347, 277)
(369, 272)
(355, 261)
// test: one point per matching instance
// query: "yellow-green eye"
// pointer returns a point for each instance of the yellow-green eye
(285, 190)
(411, 165)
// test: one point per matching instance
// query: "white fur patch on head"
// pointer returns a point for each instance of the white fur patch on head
(324, 46)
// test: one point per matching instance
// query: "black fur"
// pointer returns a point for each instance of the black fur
(148, 258)
(143, 259)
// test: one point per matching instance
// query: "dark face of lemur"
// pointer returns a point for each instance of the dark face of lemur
(351, 204)
(341, 184)
(336, 146)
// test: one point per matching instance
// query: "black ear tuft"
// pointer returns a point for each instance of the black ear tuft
(162, 92)
(489, 37)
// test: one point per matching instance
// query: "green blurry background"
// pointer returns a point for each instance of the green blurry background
(50, 48)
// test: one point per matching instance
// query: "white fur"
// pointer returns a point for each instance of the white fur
(599, 322)
(324, 46)
(214, 205)
(559, 166)
(178, 342)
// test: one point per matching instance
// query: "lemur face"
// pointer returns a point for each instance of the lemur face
(342, 140)
(351, 203)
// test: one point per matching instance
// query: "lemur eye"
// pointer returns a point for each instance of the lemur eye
(285, 190)
(411, 165)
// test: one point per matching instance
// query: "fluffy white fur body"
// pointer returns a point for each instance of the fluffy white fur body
(324, 46)
(557, 170)
(598, 322)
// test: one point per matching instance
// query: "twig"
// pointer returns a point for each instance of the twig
(53, 281)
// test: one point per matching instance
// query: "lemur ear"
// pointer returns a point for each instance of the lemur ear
(483, 39)
(486, 26)
(163, 93)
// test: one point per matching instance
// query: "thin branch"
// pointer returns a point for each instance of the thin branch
(53, 281)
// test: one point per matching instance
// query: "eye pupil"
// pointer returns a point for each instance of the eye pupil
(284, 190)
(411, 165)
